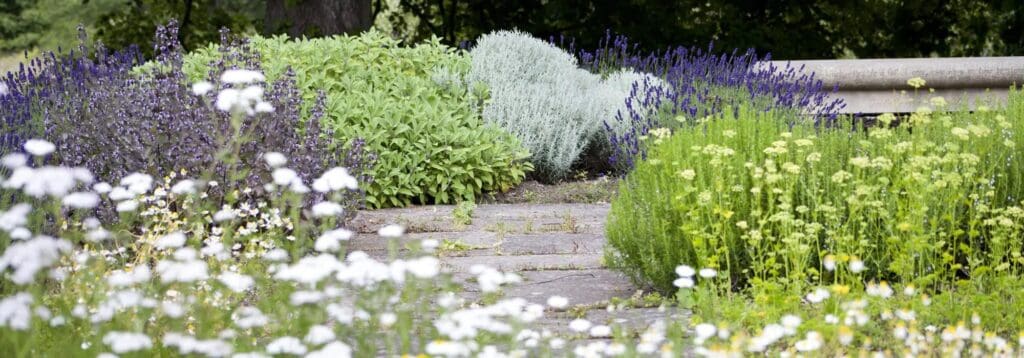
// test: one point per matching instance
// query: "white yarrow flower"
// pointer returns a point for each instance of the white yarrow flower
(263, 107)
(127, 342)
(183, 187)
(286, 345)
(39, 147)
(685, 271)
(224, 214)
(137, 183)
(173, 240)
(14, 160)
(201, 88)
(580, 325)
(558, 302)
(330, 241)
(600, 331)
(235, 281)
(102, 188)
(237, 76)
(332, 350)
(127, 206)
(27, 258)
(391, 231)
(335, 179)
(683, 282)
(16, 311)
(856, 266)
(425, 267)
(319, 334)
(327, 208)
(275, 159)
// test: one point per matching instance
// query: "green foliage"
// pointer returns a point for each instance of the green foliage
(431, 145)
(930, 200)
(49, 24)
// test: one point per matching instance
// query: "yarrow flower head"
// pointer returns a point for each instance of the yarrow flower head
(558, 302)
(327, 208)
(81, 200)
(391, 231)
(14, 160)
(243, 101)
(237, 76)
(335, 179)
(39, 147)
(286, 345)
(856, 265)
(685, 271)
(184, 187)
(126, 342)
(683, 282)
(275, 159)
(27, 258)
(201, 88)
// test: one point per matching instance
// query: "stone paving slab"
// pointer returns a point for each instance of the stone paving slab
(517, 263)
(553, 243)
(488, 243)
(523, 218)
(556, 248)
(473, 239)
(581, 287)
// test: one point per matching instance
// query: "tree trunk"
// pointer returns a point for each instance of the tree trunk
(317, 17)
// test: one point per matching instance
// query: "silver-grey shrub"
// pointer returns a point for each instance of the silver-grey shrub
(538, 93)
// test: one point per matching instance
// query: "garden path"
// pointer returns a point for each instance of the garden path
(556, 248)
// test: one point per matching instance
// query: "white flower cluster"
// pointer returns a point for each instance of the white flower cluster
(29, 257)
(248, 100)
(51, 181)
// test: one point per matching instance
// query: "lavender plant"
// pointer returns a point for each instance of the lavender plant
(700, 83)
(105, 116)
(47, 84)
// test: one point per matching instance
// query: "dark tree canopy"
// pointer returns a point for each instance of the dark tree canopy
(789, 29)
(317, 17)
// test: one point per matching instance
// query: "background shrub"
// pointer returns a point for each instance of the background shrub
(539, 94)
(929, 201)
(431, 145)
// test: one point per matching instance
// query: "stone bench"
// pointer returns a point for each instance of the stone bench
(872, 86)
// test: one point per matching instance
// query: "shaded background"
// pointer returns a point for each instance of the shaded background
(796, 29)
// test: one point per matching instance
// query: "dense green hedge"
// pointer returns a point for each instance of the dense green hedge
(430, 142)
(930, 200)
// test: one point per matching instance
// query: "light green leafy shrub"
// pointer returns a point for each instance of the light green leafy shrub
(430, 142)
(928, 201)
(538, 93)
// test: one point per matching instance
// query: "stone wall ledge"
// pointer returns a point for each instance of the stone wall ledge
(880, 85)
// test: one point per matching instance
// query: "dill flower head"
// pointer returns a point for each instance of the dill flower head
(916, 82)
